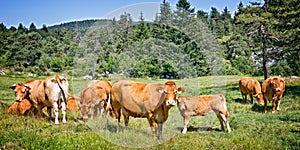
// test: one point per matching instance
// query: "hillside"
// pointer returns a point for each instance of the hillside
(82, 25)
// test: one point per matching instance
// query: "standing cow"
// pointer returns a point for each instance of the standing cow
(92, 100)
(144, 100)
(273, 89)
(107, 86)
(200, 106)
(252, 87)
(51, 92)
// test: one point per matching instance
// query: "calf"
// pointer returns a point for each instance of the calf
(107, 86)
(21, 108)
(252, 87)
(92, 100)
(272, 89)
(72, 104)
(202, 105)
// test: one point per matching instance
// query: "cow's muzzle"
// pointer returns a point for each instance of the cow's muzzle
(277, 89)
(170, 103)
(18, 100)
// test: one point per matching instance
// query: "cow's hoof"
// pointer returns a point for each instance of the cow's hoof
(273, 112)
(183, 131)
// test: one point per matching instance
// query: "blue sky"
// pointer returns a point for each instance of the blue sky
(51, 12)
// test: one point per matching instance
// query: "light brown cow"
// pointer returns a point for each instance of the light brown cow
(92, 99)
(72, 104)
(21, 108)
(252, 87)
(201, 105)
(107, 86)
(144, 100)
(273, 89)
(51, 92)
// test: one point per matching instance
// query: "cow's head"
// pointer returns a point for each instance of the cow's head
(84, 109)
(260, 99)
(21, 91)
(170, 92)
(276, 84)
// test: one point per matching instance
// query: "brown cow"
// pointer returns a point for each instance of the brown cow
(144, 100)
(72, 104)
(202, 105)
(273, 89)
(92, 99)
(107, 86)
(51, 92)
(21, 108)
(252, 87)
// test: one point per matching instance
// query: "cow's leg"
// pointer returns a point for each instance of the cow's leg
(246, 98)
(225, 122)
(222, 121)
(251, 97)
(243, 96)
(126, 117)
(63, 111)
(159, 126)
(49, 109)
(152, 124)
(55, 109)
(92, 111)
(186, 120)
(265, 105)
(277, 104)
(273, 105)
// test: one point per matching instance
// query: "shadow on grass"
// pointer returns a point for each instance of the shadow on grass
(239, 100)
(259, 108)
(197, 129)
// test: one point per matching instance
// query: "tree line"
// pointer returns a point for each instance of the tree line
(258, 39)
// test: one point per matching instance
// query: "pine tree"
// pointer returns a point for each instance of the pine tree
(259, 20)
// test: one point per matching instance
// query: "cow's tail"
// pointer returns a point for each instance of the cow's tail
(63, 91)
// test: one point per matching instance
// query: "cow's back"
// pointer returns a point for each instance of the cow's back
(249, 85)
(88, 96)
(200, 105)
(136, 97)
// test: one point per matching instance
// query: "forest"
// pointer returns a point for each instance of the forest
(259, 39)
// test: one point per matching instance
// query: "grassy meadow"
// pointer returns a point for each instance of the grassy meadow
(251, 129)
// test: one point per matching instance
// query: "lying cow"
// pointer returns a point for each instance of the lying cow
(21, 108)
(144, 100)
(273, 89)
(92, 99)
(51, 92)
(200, 106)
(252, 87)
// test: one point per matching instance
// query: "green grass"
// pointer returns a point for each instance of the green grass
(251, 129)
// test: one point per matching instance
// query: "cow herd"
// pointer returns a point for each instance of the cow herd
(136, 99)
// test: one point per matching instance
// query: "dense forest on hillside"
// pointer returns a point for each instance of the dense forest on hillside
(258, 39)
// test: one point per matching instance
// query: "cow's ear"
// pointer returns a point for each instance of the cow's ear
(27, 87)
(160, 90)
(180, 90)
(13, 87)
